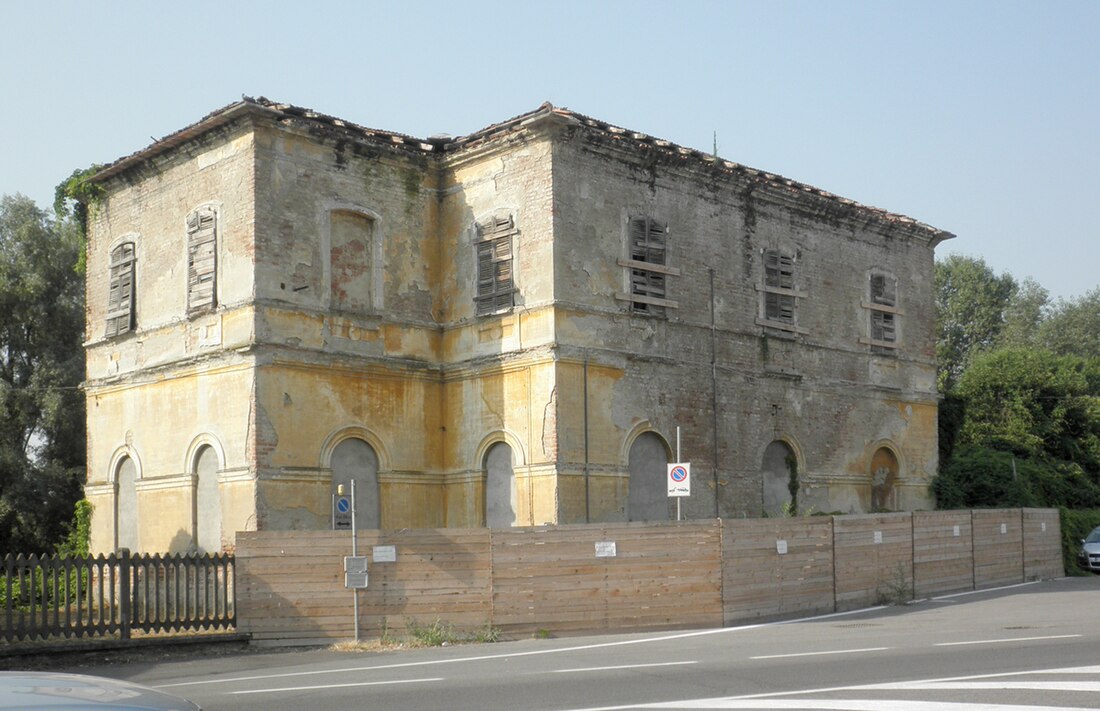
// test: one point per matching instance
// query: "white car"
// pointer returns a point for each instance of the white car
(1089, 556)
(77, 692)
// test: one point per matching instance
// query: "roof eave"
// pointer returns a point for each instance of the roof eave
(218, 118)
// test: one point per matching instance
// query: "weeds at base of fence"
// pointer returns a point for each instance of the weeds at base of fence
(435, 634)
(896, 591)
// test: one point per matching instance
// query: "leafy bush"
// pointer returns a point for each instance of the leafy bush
(979, 477)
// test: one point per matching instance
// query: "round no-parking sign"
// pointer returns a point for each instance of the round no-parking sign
(679, 479)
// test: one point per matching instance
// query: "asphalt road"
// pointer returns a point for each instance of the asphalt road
(1029, 647)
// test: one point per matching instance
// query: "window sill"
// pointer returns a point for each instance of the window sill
(780, 326)
(881, 307)
(651, 300)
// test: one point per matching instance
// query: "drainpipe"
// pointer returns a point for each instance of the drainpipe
(714, 397)
(587, 514)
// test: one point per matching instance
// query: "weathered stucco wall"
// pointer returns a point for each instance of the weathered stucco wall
(177, 382)
(346, 278)
(816, 386)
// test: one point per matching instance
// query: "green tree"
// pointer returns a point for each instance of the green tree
(1027, 309)
(971, 305)
(1031, 412)
(1073, 327)
(41, 365)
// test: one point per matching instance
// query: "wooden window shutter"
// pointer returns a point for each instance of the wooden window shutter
(883, 327)
(648, 244)
(778, 270)
(120, 298)
(495, 282)
(883, 290)
(201, 260)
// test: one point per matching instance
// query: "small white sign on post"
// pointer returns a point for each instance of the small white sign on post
(355, 571)
(679, 479)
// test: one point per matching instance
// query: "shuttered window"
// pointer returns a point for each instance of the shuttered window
(648, 249)
(495, 285)
(778, 270)
(202, 249)
(883, 313)
(883, 290)
(883, 327)
(120, 299)
(780, 297)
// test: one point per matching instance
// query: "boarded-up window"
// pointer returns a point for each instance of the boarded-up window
(778, 270)
(647, 247)
(780, 301)
(351, 261)
(495, 286)
(883, 290)
(120, 300)
(202, 249)
(883, 314)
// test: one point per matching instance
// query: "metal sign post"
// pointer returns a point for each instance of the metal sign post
(679, 477)
(355, 566)
(354, 554)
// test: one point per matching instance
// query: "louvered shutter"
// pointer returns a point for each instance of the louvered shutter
(883, 290)
(201, 260)
(120, 299)
(647, 244)
(778, 270)
(495, 283)
(883, 327)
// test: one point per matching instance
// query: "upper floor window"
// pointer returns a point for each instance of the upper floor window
(120, 299)
(883, 314)
(352, 261)
(495, 285)
(647, 240)
(202, 250)
(778, 294)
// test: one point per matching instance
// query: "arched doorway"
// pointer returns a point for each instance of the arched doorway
(500, 487)
(208, 503)
(647, 499)
(126, 506)
(884, 473)
(780, 480)
(355, 459)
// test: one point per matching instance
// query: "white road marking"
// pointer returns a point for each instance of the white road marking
(814, 654)
(333, 686)
(986, 685)
(602, 645)
(770, 700)
(624, 666)
(847, 705)
(490, 657)
(1005, 641)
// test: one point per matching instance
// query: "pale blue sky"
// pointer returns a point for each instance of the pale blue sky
(981, 118)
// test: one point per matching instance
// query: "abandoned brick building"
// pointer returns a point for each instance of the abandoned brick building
(499, 329)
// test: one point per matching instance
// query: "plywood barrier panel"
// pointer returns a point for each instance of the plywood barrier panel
(874, 559)
(293, 582)
(998, 547)
(1042, 544)
(613, 576)
(943, 557)
(774, 568)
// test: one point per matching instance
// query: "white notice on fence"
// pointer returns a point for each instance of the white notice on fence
(385, 554)
(781, 547)
(878, 536)
(605, 549)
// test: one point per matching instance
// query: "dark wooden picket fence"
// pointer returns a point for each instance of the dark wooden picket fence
(49, 596)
